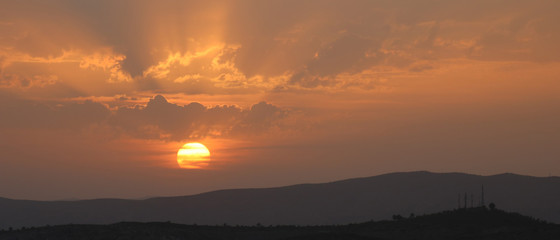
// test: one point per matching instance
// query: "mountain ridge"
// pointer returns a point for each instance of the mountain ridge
(338, 202)
(286, 186)
(352, 179)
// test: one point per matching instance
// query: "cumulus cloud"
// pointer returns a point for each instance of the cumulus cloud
(158, 119)
(161, 119)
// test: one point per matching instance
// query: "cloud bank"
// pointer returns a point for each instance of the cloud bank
(158, 119)
(250, 46)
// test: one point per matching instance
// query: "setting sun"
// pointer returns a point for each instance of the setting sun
(193, 156)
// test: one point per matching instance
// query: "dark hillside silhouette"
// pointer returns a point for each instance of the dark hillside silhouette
(473, 223)
(341, 202)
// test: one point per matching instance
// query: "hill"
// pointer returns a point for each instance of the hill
(475, 223)
(341, 202)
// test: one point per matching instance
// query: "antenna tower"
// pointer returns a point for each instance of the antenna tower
(482, 197)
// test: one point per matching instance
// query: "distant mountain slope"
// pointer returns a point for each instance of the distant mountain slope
(353, 200)
(467, 224)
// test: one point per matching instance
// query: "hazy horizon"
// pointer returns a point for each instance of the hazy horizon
(97, 97)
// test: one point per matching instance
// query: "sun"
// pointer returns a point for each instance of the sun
(193, 156)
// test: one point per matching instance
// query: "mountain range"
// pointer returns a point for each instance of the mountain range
(341, 202)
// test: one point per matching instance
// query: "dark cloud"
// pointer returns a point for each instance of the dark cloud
(260, 117)
(19, 113)
(161, 119)
(347, 54)
(158, 119)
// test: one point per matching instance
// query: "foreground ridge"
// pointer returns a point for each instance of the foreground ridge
(471, 223)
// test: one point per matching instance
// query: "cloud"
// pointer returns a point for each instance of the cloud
(260, 117)
(108, 61)
(27, 114)
(161, 119)
(250, 46)
(158, 119)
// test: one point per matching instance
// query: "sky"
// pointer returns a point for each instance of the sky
(97, 97)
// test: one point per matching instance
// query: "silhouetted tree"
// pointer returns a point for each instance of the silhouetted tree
(397, 217)
(492, 206)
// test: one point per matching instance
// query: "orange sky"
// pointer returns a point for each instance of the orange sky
(96, 97)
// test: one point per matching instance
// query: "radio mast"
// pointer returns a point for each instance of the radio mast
(482, 196)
